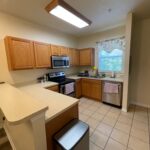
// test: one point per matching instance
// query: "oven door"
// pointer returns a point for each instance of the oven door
(60, 62)
(69, 92)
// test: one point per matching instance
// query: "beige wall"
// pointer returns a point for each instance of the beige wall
(140, 65)
(13, 26)
(90, 40)
(128, 35)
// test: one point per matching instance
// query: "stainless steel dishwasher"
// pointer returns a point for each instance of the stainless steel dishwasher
(112, 98)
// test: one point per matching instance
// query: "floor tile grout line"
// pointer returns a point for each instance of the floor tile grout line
(100, 132)
(97, 125)
(109, 137)
(131, 126)
(112, 131)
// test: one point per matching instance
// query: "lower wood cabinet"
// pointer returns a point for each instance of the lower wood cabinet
(57, 123)
(78, 88)
(54, 88)
(92, 89)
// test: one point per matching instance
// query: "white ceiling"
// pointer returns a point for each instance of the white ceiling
(95, 10)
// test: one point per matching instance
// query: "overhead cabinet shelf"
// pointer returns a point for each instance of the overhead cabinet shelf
(27, 54)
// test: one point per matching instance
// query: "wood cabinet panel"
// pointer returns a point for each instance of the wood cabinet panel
(87, 57)
(55, 50)
(91, 89)
(42, 55)
(64, 51)
(20, 53)
(78, 88)
(54, 88)
(76, 60)
(71, 56)
(74, 57)
(85, 88)
(96, 91)
(57, 123)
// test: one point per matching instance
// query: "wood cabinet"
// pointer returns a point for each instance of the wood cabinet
(57, 123)
(74, 57)
(76, 60)
(87, 57)
(86, 88)
(78, 88)
(64, 51)
(91, 89)
(26, 54)
(42, 55)
(54, 88)
(20, 54)
(55, 50)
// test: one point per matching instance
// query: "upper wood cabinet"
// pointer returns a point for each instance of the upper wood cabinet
(64, 51)
(87, 57)
(55, 50)
(42, 55)
(74, 57)
(20, 53)
(71, 56)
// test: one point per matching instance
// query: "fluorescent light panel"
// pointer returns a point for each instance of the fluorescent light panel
(64, 11)
(67, 16)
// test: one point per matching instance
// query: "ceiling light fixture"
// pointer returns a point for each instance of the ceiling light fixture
(64, 11)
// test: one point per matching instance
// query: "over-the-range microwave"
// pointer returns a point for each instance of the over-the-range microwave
(60, 62)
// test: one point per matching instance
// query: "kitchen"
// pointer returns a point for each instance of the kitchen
(82, 57)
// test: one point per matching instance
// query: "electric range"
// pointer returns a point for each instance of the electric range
(60, 78)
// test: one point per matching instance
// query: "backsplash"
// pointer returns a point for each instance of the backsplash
(24, 76)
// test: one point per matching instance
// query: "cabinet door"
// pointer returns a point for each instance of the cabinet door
(78, 89)
(85, 88)
(19, 53)
(86, 57)
(96, 90)
(42, 55)
(76, 60)
(64, 51)
(71, 56)
(55, 50)
(91, 89)
(74, 57)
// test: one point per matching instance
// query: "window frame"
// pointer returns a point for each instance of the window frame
(107, 71)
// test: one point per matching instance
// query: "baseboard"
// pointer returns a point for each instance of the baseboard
(140, 104)
(124, 110)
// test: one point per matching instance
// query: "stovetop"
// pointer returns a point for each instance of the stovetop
(66, 81)
(59, 77)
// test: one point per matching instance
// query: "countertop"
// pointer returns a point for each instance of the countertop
(75, 77)
(17, 106)
(56, 102)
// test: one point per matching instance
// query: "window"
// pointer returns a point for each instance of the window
(111, 55)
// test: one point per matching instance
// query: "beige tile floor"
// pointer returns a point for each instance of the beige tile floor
(112, 129)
